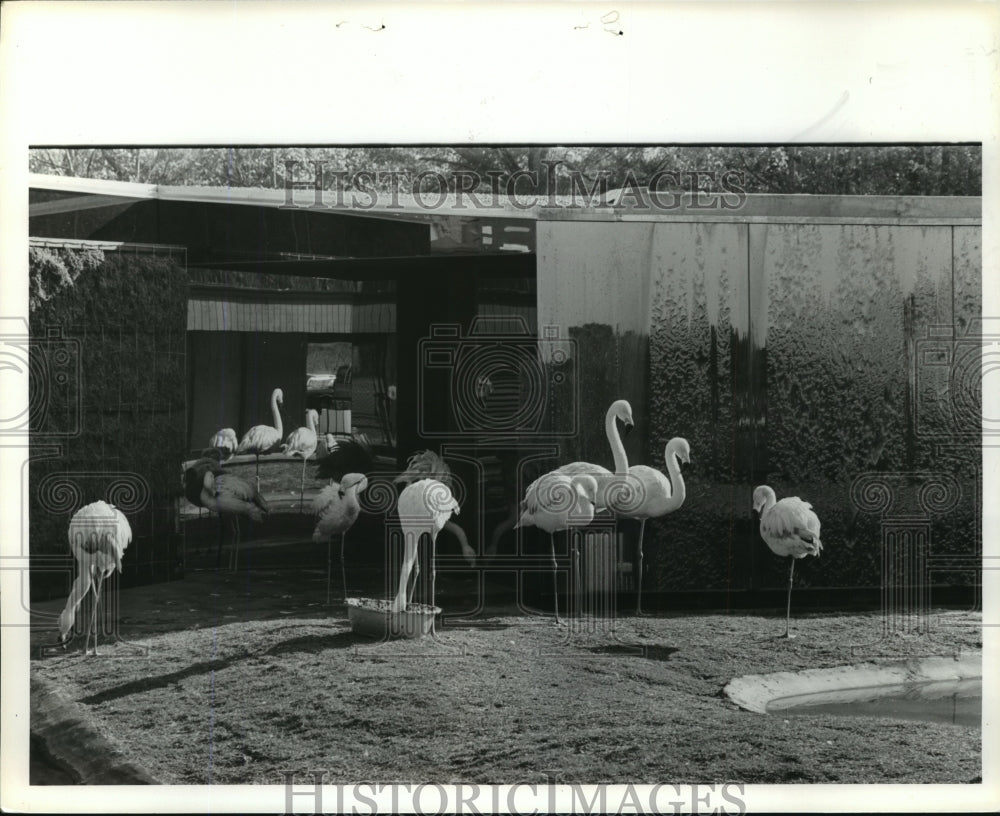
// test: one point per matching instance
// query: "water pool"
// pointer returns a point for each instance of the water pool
(957, 702)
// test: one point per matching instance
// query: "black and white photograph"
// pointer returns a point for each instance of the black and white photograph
(439, 459)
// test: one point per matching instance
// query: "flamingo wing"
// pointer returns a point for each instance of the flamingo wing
(576, 468)
(792, 526)
(300, 442)
(259, 439)
(235, 495)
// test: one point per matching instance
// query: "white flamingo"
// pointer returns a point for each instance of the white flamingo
(789, 528)
(424, 507)
(428, 465)
(225, 442)
(98, 535)
(557, 501)
(649, 494)
(261, 438)
(619, 410)
(338, 508)
(302, 442)
(231, 497)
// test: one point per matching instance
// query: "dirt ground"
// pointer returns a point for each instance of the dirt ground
(227, 681)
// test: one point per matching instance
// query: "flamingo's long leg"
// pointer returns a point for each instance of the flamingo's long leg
(81, 586)
(788, 605)
(638, 572)
(409, 559)
(329, 566)
(577, 578)
(433, 579)
(302, 487)
(413, 584)
(555, 577)
(93, 617)
(343, 569)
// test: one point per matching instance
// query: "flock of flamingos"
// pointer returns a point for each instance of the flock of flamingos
(566, 498)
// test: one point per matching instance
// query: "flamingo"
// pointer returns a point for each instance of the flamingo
(618, 410)
(428, 465)
(302, 442)
(557, 501)
(194, 477)
(338, 508)
(225, 442)
(355, 454)
(98, 535)
(424, 507)
(649, 494)
(261, 438)
(789, 528)
(231, 497)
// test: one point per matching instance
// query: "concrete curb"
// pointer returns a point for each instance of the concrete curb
(755, 691)
(69, 735)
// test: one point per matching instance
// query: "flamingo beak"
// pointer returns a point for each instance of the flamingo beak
(340, 493)
(628, 428)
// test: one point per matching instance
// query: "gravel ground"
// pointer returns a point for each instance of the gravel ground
(227, 693)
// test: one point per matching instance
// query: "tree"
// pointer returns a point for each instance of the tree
(540, 170)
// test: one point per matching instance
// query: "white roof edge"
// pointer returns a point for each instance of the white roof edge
(406, 207)
(72, 184)
(402, 207)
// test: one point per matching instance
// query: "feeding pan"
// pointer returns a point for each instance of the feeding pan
(373, 617)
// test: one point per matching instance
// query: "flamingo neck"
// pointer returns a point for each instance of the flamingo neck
(769, 502)
(617, 448)
(275, 412)
(678, 491)
(311, 421)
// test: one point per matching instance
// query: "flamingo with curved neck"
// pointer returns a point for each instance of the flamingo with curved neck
(619, 410)
(302, 442)
(651, 494)
(261, 438)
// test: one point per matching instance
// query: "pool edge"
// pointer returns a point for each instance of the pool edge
(753, 692)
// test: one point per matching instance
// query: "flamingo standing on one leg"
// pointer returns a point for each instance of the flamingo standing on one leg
(649, 494)
(98, 535)
(338, 508)
(261, 438)
(225, 442)
(555, 502)
(302, 442)
(789, 528)
(231, 497)
(424, 507)
(619, 410)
